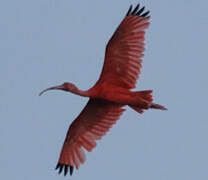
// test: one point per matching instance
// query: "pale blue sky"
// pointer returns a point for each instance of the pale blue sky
(47, 42)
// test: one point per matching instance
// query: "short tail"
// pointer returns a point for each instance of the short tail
(146, 97)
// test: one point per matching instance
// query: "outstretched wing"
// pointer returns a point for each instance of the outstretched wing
(125, 49)
(93, 122)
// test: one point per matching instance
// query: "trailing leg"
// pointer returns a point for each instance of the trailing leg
(145, 101)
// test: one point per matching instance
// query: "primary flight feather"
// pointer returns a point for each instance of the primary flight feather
(111, 92)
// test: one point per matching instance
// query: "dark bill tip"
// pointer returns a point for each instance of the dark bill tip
(52, 88)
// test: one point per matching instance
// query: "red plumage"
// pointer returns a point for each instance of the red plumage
(111, 92)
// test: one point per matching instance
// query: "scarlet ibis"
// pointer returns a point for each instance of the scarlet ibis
(111, 92)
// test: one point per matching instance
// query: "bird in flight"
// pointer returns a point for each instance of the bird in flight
(111, 93)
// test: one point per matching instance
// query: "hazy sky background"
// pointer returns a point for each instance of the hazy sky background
(47, 42)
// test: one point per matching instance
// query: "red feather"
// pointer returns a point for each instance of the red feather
(111, 92)
(94, 121)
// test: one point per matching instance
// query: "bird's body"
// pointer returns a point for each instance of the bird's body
(111, 93)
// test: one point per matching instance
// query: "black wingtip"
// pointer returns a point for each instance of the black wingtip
(145, 14)
(65, 168)
(61, 169)
(57, 166)
(137, 11)
(71, 169)
(140, 11)
(129, 11)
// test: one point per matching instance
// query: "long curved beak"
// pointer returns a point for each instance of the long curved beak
(52, 88)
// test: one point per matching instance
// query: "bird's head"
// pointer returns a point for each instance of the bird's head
(67, 86)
